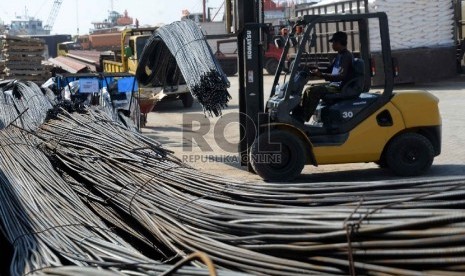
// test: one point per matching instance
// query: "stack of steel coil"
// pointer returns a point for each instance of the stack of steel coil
(63, 183)
(27, 106)
(50, 227)
(22, 104)
(44, 219)
(403, 227)
(181, 46)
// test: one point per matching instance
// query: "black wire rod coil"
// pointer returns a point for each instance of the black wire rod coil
(179, 51)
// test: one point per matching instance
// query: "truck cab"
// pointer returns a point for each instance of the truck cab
(134, 50)
(64, 47)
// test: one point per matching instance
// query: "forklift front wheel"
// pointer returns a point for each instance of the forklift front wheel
(278, 156)
(409, 154)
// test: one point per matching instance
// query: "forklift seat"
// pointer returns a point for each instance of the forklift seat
(353, 88)
(338, 108)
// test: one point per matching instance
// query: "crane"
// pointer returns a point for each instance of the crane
(53, 15)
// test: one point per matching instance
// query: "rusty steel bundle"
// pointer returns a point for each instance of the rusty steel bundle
(180, 48)
(396, 227)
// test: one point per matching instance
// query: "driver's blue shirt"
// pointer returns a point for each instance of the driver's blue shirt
(341, 68)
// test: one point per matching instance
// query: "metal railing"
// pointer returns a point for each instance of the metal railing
(325, 30)
(460, 23)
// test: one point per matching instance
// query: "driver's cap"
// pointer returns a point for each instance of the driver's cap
(339, 37)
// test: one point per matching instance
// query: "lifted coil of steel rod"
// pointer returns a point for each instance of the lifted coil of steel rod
(178, 48)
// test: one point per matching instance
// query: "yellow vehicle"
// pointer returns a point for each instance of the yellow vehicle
(132, 44)
(64, 47)
(397, 130)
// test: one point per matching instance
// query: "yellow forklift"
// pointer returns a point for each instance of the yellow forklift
(397, 130)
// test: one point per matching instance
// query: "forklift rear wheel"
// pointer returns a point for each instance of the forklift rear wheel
(187, 100)
(410, 154)
(278, 156)
(271, 66)
(382, 164)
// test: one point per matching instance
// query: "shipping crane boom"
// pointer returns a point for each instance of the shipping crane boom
(53, 14)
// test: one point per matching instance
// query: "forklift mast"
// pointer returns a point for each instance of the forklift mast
(248, 20)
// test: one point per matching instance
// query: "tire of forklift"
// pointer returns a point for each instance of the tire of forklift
(382, 164)
(277, 156)
(271, 66)
(187, 100)
(409, 154)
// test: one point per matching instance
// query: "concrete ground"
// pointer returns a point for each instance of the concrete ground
(181, 130)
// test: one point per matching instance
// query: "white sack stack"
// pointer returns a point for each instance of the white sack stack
(414, 23)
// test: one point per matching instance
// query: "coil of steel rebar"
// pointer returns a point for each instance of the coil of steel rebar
(179, 50)
(22, 103)
(49, 226)
(43, 218)
(402, 228)
(79, 168)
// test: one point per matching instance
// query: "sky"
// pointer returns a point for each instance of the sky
(74, 13)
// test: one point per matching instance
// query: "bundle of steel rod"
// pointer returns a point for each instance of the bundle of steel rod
(401, 228)
(404, 227)
(49, 226)
(52, 98)
(183, 43)
(23, 104)
(91, 271)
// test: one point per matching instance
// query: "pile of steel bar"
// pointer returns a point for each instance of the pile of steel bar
(44, 219)
(23, 104)
(47, 224)
(180, 47)
(75, 187)
(381, 228)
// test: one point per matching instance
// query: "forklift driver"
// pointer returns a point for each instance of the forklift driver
(338, 75)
